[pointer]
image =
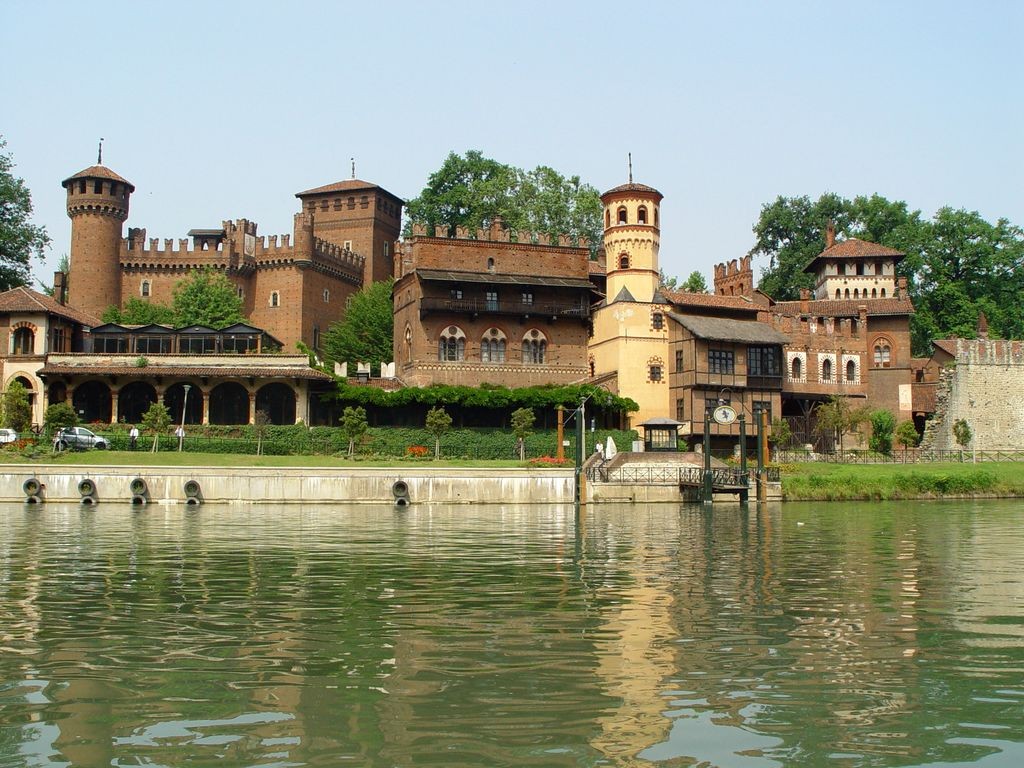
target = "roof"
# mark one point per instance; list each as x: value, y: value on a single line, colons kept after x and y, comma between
x: 946, y: 345
x: 453, y: 276
x: 632, y: 187
x: 595, y: 267
x: 725, y: 329
x: 22, y: 299
x: 155, y: 368
x: 98, y: 172
x: 855, y: 248
x: 845, y: 307
x: 624, y: 295
x: 689, y: 299
x: 348, y: 185
x: 661, y: 421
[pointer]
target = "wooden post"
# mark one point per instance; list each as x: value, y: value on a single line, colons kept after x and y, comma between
x: 560, y: 449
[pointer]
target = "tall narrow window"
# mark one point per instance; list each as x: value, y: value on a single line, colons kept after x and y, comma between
x: 491, y: 301
x: 641, y: 215
x: 623, y: 261
x: 275, y: 299
x: 826, y: 370
x: 796, y: 369
x: 144, y: 289
x: 851, y: 372
x: 622, y: 215
x: 535, y: 348
x: 451, y: 347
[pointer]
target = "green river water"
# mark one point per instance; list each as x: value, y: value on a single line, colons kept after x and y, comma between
x: 876, y: 634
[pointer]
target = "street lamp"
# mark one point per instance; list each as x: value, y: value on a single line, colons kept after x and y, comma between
x: 184, y: 409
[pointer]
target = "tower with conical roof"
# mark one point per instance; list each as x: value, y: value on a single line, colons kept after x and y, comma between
x: 97, y: 202
x: 630, y: 332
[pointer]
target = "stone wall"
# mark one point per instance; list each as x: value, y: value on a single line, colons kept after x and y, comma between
x: 984, y: 388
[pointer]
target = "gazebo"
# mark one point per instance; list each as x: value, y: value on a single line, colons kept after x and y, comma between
x: 661, y: 434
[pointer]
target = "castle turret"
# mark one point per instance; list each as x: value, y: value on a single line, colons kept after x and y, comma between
x: 98, y: 206
x: 632, y: 238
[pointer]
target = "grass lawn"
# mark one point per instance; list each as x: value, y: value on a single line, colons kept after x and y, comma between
x: 188, y: 459
x: 849, y: 482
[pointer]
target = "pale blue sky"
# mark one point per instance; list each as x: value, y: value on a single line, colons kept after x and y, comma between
x: 218, y: 110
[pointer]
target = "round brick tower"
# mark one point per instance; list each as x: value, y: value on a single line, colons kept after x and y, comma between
x: 98, y: 206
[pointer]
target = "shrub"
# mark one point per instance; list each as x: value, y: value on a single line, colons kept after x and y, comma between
x: 883, y: 423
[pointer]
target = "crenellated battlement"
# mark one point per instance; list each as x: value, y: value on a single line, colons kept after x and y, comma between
x: 989, y: 352
x: 735, y: 278
x: 809, y: 327
x: 498, y: 233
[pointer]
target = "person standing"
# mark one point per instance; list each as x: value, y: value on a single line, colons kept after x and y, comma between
x: 180, y: 434
x: 133, y: 436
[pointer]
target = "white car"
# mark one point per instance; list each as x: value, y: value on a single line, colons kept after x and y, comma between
x: 79, y: 437
x: 8, y: 435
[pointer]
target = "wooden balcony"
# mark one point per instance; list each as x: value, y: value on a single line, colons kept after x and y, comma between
x: 483, y: 307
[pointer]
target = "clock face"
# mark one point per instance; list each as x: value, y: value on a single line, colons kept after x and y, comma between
x: 723, y: 414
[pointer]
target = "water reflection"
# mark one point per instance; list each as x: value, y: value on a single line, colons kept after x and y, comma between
x: 854, y: 635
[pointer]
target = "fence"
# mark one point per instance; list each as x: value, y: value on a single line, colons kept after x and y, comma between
x: 911, y: 456
x: 692, y: 476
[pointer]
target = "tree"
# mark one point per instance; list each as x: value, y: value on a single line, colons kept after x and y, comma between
x: 259, y: 425
x: 472, y: 191
x: 672, y: 283
x: 59, y: 416
x: 695, y: 283
x: 522, y: 423
x: 139, y: 312
x: 19, y: 239
x: 907, y: 436
x: 781, y: 433
x: 17, y: 409
x: 63, y: 265
x: 156, y: 419
x: 962, y: 433
x: 438, y: 422
x: 365, y: 334
x: 837, y: 417
x: 883, y: 424
x: 353, y: 426
x: 207, y: 298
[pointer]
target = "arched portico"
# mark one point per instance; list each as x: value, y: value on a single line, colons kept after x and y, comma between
x: 229, y: 404
x: 92, y: 401
x: 277, y: 400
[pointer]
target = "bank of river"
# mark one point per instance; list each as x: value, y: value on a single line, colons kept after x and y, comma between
x: 882, y: 634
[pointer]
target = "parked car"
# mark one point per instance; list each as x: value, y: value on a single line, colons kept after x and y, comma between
x: 79, y: 437
x: 8, y: 435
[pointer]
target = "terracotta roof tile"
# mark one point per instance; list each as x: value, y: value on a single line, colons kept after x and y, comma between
x: 632, y: 187
x: 156, y: 369
x: 844, y: 307
x: 854, y: 248
x: 24, y: 299
x: 98, y: 172
x: 596, y: 267
x: 688, y: 299
x: 348, y: 185
x: 946, y: 345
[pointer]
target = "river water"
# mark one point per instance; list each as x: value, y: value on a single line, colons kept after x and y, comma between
x: 804, y: 635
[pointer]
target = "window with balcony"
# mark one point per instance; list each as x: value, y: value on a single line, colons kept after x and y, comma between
x: 527, y: 298
x: 721, y: 361
x: 491, y: 301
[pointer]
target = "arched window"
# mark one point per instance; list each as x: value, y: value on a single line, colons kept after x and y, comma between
x: 622, y: 214
x: 826, y: 369
x: 623, y: 261
x: 408, y: 344
x: 655, y: 216
x: 327, y: 295
x: 451, y: 347
x: 490, y: 265
x: 275, y: 299
x: 874, y: 293
x: 535, y: 347
x: 23, y: 341
x: 851, y: 371
x: 796, y: 369
x: 641, y: 215
x: 883, y: 353
x: 607, y: 218
x: 492, y: 347
x: 883, y: 293
x: 144, y: 289
x: 846, y: 293
x: 856, y: 293
x: 838, y: 294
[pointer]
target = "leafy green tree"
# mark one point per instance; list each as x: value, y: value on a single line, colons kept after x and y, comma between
x: 472, y: 191
x: 156, y: 419
x: 19, y: 238
x: 962, y: 433
x: 781, y: 434
x: 59, y: 416
x: 907, y: 436
x: 17, y: 409
x: 883, y: 424
x: 208, y: 298
x: 353, y: 426
x: 365, y: 334
x: 838, y: 417
x: 139, y: 312
x: 695, y: 283
x: 522, y: 423
x: 438, y: 423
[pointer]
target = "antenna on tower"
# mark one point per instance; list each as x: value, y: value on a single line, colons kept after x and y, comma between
x: 353, y: 167
x: 630, y: 156
x: 99, y: 154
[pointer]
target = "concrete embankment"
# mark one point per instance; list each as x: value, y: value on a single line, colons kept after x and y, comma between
x: 314, y: 485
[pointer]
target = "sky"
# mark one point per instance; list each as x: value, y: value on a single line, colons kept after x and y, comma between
x: 224, y: 110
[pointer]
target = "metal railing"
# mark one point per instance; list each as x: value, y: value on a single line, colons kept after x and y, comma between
x: 912, y: 456
x: 478, y: 306
x: 689, y: 476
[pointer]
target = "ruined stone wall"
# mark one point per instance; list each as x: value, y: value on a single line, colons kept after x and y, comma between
x: 984, y: 388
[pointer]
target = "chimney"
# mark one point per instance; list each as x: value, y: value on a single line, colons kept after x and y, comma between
x: 982, y: 326
x: 60, y: 288
x: 862, y: 318
x: 901, y: 287
x: 830, y: 234
x: 805, y: 301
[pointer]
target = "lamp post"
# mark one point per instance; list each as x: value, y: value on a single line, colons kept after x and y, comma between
x: 184, y: 409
